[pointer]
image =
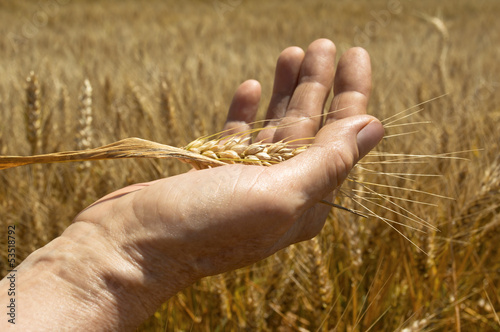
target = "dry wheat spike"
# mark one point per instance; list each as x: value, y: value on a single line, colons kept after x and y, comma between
x: 201, y: 153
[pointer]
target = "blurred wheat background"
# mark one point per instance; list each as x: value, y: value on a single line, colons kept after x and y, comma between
x: 76, y: 74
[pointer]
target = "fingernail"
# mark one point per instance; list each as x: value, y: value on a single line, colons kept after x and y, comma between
x: 369, y: 136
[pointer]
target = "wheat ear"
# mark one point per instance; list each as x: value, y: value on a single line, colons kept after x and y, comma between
x: 201, y: 153
x: 33, y: 113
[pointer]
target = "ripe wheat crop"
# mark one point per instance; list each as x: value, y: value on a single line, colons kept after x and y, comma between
x: 166, y: 71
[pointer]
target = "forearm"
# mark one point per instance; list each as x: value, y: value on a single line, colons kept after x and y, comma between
x: 76, y: 282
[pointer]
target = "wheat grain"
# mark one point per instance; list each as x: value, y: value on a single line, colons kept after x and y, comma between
x: 236, y: 150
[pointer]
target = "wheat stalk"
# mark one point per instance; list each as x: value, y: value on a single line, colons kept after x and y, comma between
x: 126, y: 148
x: 200, y: 153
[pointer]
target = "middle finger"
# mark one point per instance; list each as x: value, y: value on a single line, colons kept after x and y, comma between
x: 302, y: 118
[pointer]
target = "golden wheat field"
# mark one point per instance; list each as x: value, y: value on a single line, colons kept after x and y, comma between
x: 166, y: 71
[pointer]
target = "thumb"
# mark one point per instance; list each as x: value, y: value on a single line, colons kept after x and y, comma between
x: 337, y: 148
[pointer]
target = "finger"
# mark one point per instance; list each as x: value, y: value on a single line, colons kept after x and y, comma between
x: 308, y: 100
x: 243, y: 108
x: 285, y: 81
x: 337, y: 148
x: 352, y: 85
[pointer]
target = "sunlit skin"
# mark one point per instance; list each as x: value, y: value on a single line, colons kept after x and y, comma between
x: 133, y: 249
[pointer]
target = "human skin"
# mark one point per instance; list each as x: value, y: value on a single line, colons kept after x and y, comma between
x: 133, y: 249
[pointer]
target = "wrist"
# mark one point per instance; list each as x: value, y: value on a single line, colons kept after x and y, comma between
x: 77, y: 278
x: 132, y: 268
x: 79, y: 281
x: 114, y: 286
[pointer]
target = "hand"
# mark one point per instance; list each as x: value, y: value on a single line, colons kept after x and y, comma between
x: 202, y: 223
x: 159, y: 237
